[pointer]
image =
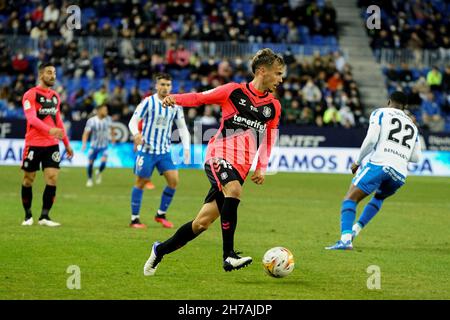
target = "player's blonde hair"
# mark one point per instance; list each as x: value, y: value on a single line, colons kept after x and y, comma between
x: 266, y: 57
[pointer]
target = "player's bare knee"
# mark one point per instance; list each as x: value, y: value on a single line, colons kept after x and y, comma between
x: 28, y: 180
x: 51, y: 180
x: 141, y: 182
x: 173, y: 183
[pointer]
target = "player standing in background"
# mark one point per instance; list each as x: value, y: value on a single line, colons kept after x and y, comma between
x: 250, y: 117
x: 392, y: 141
x: 99, y: 128
x: 44, y: 130
x: 154, y: 148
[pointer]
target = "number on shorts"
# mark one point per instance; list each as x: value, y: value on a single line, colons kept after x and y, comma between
x: 140, y: 161
x: 30, y: 155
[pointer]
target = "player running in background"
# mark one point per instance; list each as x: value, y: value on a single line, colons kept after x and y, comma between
x: 44, y: 130
x: 250, y: 117
x: 154, y: 148
x: 101, y: 132
x: 392, y: 141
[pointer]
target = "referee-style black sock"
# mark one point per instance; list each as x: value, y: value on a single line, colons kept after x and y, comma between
x: 47, y: 200
x: 27, y: 197
x: 228, y: 220
x: 183, y: 235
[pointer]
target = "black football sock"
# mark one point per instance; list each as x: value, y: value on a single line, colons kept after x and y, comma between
x: 27, y: 197
x: 228, y: 220
x: 47, y: 201
x: 183, y: 235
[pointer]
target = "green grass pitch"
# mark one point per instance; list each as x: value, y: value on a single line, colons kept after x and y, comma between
x: 408, y: 240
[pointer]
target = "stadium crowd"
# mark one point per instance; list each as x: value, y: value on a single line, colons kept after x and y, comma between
x: 428, y: 92
x: 414, y: 25
x: 209, y: 20
x: 318, y: 90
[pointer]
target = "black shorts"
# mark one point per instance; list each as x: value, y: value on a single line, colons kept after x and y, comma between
x: 219, y: 173
x: 34, y: 156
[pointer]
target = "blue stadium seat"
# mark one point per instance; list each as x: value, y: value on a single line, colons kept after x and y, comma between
x: 145, y: 84
x: 331, y: 41
x: 130, y: 83
x: 184, y: 74
x: 102, y: 21
x: 5, y: 80
x: 87, y: 14
x: 415, y: 73
x: 317, y: 40
x: 175, y: 85
x: 98, y: 67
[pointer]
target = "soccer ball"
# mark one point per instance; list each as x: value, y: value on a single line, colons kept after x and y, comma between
x: 278, y: 262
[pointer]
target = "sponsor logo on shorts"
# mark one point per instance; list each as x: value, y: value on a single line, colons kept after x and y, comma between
x: 56, y: 156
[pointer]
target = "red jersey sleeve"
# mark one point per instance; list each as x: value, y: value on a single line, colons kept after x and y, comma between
x: 29, y: 108
x: 214, y: 96
x: 269, y: 140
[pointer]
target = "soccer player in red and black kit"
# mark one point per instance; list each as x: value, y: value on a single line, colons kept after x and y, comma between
x: 250, y: 117
x: 44, y: 130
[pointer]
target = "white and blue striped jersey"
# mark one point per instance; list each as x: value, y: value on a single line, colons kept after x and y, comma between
x: 100, y: 131
x: 157, y: 125
x: 391, y: 140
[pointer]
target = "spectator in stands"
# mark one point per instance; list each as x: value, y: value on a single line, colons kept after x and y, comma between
x: 311, y: 93
x: 182, y: 56
x: 446, y: 80
x: 335, y: 82
x: 84, y: 66
x: 416, y: 45
x: 444, y: 48
x: 347, y: 117
x: 171, y: 56
x: 434, y: 78
x: 38, y: 32
x: 339, y: 61
x: 405, y: 75
x: 414, y: 99
x: 208, y: 119
x: 432, y: 114
x: 117, y: 102
x: 293, y: 113
x: 51, y: 13
x: 101, y: 96
x: 134, y: 98
x: 292, y: 34
x: 38, y: 14
x: 331, y: 116
x: 20, y: 64
x: 306, y: 117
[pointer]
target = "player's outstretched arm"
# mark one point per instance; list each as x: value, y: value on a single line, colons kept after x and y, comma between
x: 213, y: 96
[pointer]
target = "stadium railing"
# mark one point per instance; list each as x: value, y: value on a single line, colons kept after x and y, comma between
x: 426, y: 58
x: 97, y: 46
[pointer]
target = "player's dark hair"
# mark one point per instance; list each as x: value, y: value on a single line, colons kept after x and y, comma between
x: 44, y: 65
x: 399, y: 98
x: 164, y: 76
x: 266, y: 57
